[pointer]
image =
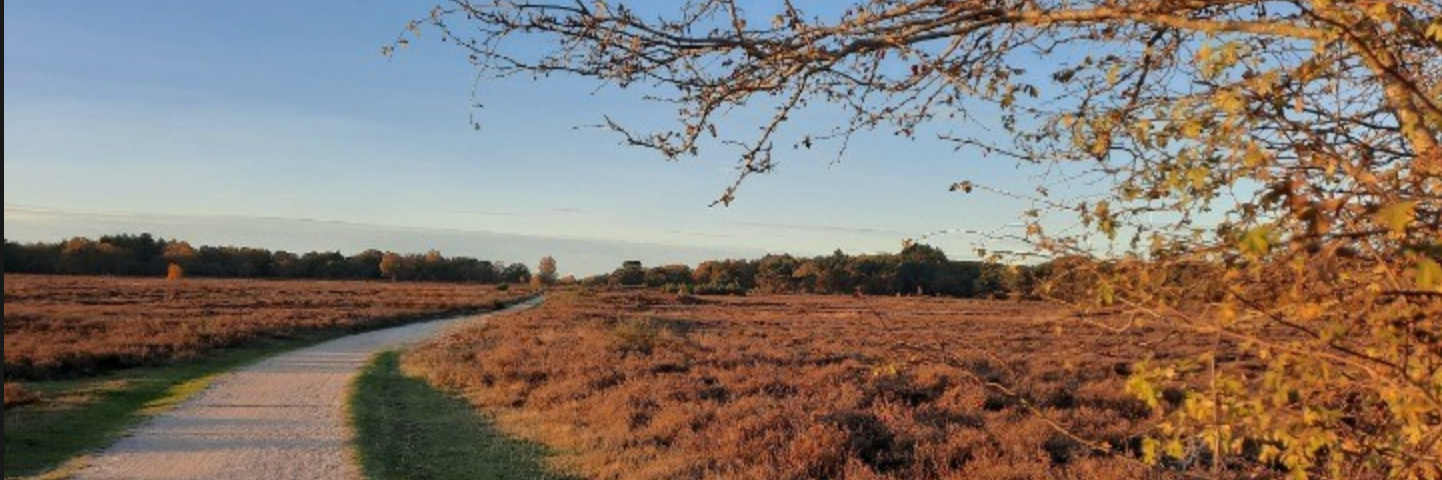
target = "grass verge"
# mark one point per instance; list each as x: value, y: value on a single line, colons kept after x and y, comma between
x: 407, y: 430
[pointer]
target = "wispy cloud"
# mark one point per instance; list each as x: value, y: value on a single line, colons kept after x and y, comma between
x: 572, y: 211
x: 826, y: 229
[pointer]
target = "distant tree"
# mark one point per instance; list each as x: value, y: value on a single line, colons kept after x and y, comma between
x: 81, y: 256
x: 775, y: 274
x: 391, y: 264
x: 668, y: 275
x: 875, y: 274
x: 180, y: 253
x: 434, y: 256
x: 516, y: 273
x: 740, y: 273
x: 631, y: 274
x: 39, y: 258
x: 175, y: 273
x: 808, y: 275
x: 287, y: 265
x: 834, y: 274
x: 12, y: 256
x: 546, y: 272
x: 245, y: 262
x: 919, y: 268
x: 326, y: 265
x: 365, y: 265
x: 145, y: 253
x: 996, y: 281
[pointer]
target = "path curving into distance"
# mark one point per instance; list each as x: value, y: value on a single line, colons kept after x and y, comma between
x: 281, y: 419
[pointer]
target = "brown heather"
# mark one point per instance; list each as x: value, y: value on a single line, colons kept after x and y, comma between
x: 643, y: 386
x: 58, y: 327
x: 16, y: 395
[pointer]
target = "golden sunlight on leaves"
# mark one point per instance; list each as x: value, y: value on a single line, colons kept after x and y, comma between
x: 1429, y: 275
x: 1397, y: 216
x: 1257, y: 242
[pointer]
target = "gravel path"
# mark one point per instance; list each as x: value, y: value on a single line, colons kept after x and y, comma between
x: 281, y: 419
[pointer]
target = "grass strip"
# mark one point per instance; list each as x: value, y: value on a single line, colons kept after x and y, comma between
x: 407, y: 430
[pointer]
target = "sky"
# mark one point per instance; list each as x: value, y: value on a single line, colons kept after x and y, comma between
x: 279, y: 124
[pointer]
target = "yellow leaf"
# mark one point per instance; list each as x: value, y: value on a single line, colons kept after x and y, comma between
x: 1151, y: 449
x: 1380, y: 11
x: 1229, y: 102
x: 1397, y: 216
x: 1192, y: 129
x: 1429, y: 275
x: 1107, y: 295
x: 1255, y: 156
x: 1256, y: 242
x: 1143, y: 390
x: 1175, y: 449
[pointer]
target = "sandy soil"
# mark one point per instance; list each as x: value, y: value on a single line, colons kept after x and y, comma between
x: 280, y: 419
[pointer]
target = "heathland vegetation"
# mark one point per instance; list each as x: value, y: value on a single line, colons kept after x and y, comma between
x: 146, y: 256
x: 643, y: 385
x: 69, y: 326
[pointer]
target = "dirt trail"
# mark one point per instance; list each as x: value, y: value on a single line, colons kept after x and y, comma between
x: 281, y: 419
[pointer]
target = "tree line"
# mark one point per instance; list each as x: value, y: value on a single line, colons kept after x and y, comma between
x: 917, y: 270
x: 145, y: 255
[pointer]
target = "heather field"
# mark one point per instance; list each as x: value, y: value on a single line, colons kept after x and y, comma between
x: 66, y: 327
x: 641, y: 386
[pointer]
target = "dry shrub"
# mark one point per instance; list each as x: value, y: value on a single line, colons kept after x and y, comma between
x: 766, y: 388
x: 16, y: 395
x: 58, y: 327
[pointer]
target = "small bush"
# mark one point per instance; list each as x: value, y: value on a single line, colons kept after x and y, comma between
x: 733, y: 289
x: 175, y: 273
x: 16, y: 395
x: 637, y: 335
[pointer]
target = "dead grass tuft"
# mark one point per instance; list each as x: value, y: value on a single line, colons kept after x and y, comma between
x: 16, y: 395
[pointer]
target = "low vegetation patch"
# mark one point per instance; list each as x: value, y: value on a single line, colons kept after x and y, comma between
x: 70, y: 327
x: 16, y: 395
x: 768, y: 387
x: 407, y: 430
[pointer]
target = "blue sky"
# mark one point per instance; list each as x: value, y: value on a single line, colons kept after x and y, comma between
x: 279, y: 124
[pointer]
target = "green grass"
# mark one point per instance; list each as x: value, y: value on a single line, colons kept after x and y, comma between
x: 85, y: 415
x: 408, y: 431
